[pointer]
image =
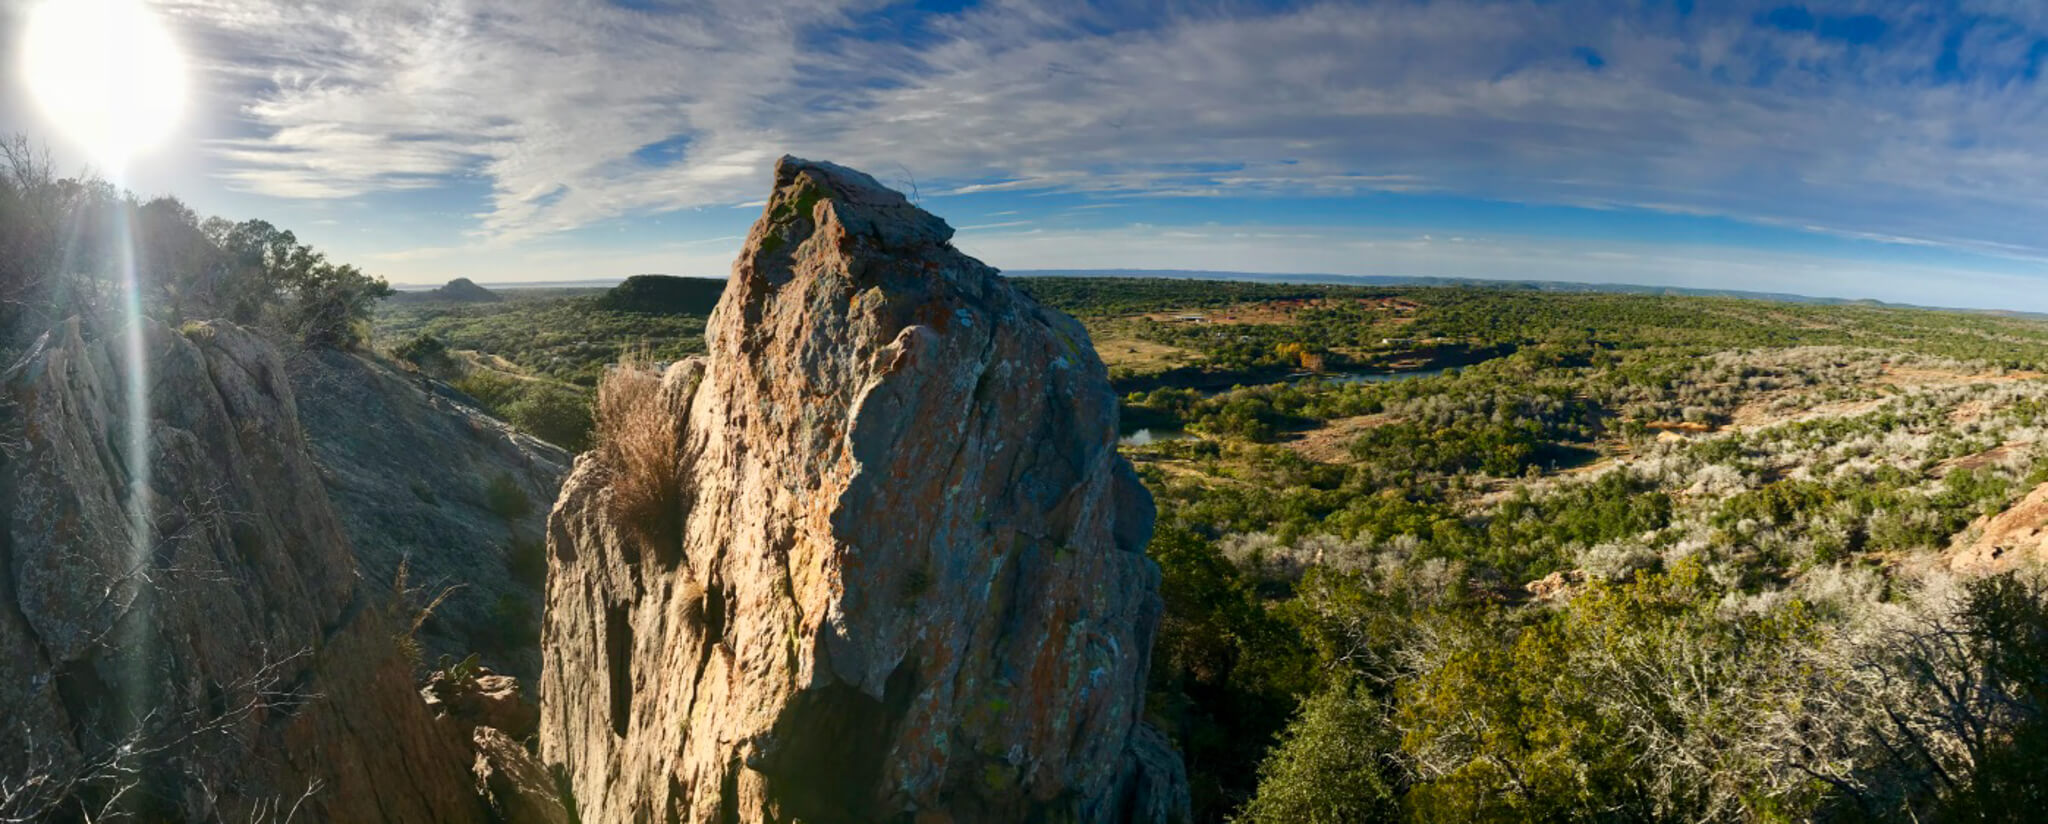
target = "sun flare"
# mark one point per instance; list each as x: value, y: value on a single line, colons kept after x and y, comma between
x: 106, y: 73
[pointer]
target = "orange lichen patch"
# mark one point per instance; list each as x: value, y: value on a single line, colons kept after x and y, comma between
x: 1331, y: 443
x: 2006, y: 540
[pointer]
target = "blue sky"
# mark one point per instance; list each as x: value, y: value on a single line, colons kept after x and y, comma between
x: 1886, y: 150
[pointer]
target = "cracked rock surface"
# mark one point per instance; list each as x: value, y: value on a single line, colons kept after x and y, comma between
x: 904, y: 575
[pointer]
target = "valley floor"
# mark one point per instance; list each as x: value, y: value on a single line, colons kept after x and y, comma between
x: 1457, y: 553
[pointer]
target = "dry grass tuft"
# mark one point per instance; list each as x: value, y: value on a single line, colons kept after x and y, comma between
x: 638, y: 434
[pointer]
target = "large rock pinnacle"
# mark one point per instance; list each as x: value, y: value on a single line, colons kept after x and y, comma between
x: 902, y: 575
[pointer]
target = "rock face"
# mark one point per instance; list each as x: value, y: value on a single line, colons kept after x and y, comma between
x: 216, y: 657
x: 420, y: 476
x: 2007, y: 540
x: 905, y: 578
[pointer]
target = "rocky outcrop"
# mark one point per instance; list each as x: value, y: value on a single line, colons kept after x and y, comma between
x: 514, y: 784
x: 183, y: 635
x: 902, y: 575
x: 1999, y: 543
x: 421, y: 477
x: 480, y: 698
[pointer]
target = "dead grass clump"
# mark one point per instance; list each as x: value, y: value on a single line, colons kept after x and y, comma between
x: 638, y: 434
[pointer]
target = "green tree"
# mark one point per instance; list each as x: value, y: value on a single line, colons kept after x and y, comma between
x: 1337, y: 764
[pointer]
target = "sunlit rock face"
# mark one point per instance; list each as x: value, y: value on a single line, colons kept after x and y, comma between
x: 219, y: 657
x: 905, y: 575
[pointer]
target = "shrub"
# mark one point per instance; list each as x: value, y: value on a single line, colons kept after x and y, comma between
x: 554, y: 413
x: 637, y: 441
x: 527, y: 561
x: 494, y: 390
x: 516, y: 625
x: 423, y: 350
x: 557, y: 415
x: 504, y: 496
x: 1333, y: 766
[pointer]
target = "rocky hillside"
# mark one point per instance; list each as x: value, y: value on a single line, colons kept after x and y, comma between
x: 420, y: 476
x: 184, y: 631
x: 900, y: 573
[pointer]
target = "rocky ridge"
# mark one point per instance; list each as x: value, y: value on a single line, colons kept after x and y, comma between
x: 421, y: 477
x: 217, y: 657
x: 901, y: 575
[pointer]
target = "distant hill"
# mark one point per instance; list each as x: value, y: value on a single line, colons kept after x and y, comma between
x: 1482, y: 283
x: 664, y: 295
x: 459, y: 290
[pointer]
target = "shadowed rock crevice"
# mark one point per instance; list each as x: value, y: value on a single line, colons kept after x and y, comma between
x: 618, y: 661
x: 909, y: 580
x: 830, y: 749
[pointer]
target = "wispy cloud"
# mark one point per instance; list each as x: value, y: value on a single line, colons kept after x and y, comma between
x: 1511, y: 257
x: 1915, y: 126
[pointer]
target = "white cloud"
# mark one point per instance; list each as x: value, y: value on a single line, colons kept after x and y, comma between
x: 1510, y: 257
x: 548, y: 101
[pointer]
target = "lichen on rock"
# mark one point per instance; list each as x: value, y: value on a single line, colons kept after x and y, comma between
x: 905, y: 576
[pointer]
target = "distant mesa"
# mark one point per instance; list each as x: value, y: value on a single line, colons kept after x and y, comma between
x: 664, y: 295
x: 459, y: 290
x: 466, y: 291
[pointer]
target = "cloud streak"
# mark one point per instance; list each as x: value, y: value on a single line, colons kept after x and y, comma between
x: 1915, y: 124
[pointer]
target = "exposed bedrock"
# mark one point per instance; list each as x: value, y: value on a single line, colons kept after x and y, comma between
x: 183, y: 633
x: 900, y: 575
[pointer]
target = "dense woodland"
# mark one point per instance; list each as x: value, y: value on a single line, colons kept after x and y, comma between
x: 1634, y: 557
x: 1676, y: 559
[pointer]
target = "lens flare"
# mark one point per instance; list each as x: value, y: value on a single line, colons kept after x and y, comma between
x: 109, y: 77
x: 106, y: 73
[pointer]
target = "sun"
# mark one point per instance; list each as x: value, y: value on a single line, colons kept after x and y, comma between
x: 106, y: 73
